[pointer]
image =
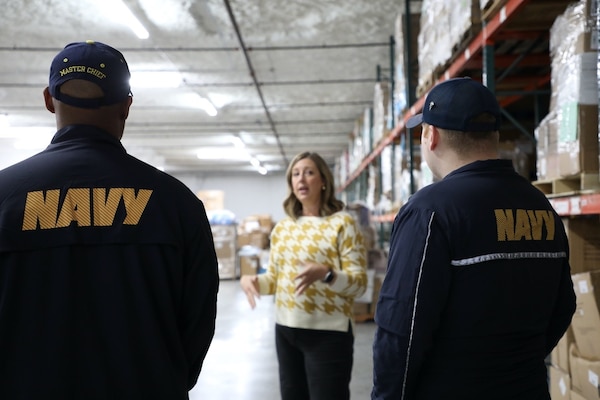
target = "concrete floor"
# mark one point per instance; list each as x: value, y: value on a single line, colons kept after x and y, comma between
x: 242, y: 364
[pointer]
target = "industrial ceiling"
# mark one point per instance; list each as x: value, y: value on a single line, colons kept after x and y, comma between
x: 282, y: 76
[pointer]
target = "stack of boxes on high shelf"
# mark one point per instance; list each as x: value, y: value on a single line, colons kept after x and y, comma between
x: 439, y: 33
x: 436, y: 37
x: 568, y: 158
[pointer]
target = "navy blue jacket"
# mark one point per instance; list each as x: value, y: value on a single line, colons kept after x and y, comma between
x: 477, y: 290
x: 108, y: 275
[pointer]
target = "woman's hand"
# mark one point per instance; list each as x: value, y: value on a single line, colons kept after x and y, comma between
x: 249, y: 284
x: 311, y: 272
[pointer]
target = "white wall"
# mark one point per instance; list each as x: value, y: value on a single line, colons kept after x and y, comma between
x: 245, y: 194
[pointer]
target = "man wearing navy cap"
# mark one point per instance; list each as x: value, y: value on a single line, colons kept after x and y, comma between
x: 108, y: 273
x: 478, y: 288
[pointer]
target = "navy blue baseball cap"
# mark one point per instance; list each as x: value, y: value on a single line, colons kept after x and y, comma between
x: 94, y: 62
x: 454, y: 103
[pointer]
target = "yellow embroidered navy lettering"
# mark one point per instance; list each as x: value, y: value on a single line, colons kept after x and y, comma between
x: 105, y: 208
x: 80, y: 204
x: 75, y: 208
x: 524, y: 224
x: 41, y: 209
x: 135, y: 205
x: 505, y: 225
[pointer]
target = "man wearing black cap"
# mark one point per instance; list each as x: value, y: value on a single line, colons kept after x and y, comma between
x: 108, y: 273
x: 478, y: 288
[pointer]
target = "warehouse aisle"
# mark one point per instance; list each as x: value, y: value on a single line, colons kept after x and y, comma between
x: 241, y: 363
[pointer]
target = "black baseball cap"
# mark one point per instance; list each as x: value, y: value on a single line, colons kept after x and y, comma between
x: 94, y: 62
x: 454, y: 103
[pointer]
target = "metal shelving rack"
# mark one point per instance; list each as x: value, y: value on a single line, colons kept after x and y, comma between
x: 486, y: 54
x: 581, y: 203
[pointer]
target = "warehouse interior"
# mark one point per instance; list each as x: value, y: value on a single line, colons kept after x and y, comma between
x: 226, y: 92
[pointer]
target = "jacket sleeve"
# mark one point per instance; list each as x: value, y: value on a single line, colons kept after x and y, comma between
x: 411, y: 300
x: 201, y: 285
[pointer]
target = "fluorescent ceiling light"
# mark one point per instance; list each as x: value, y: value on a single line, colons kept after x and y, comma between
x: 207, y: 106
x: 237, y: 142
x: 29, y: 138
x: 155, y: 79
x: 28, y: 132
x: 194, y: 100
x: 219, y: 100
x: 237, y: 152
x: 222, y: 153
x: 119, y: 11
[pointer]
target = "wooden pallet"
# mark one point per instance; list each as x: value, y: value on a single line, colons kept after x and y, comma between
x: 425, y: 85
x: 584, y: 182
x: 431, y: 79
x: 465, y: 39
x: 491, y: 8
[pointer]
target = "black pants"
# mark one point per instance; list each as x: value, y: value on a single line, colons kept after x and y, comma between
x: 314, y: 364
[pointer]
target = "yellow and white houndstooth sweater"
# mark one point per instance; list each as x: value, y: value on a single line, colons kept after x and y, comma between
x: 335, y: 241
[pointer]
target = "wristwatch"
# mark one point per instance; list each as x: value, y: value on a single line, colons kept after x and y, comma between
x: 329, y: 276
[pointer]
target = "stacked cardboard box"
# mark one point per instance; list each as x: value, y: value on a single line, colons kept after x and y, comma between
x: 253, y: 242
x: 446, y: 26
x: 224, y: 237
x: 406, y: 68
x: 568, y: 136
x: 575, y: 361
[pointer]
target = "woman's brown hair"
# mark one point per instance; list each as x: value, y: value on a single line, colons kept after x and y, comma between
x: 329, y: 203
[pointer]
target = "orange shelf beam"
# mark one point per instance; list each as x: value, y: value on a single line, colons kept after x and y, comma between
x: 583, y: 204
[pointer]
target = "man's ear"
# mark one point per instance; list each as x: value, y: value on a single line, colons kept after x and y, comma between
x: 125, y: 108
x: 48, y: 100
x: 435, y: 137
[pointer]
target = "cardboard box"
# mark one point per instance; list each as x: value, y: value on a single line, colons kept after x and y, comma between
x: 249, y: 265
x: 223, y: 231
x: 585, y: 375
x: 243, y: 239
x: 259, y: 239
x: 560, y: 353
x: 584, y: 243
x: 586, y: 320
x: 578, y: 139
x: 576, y: 396
x: 227, y: 269
x: 560, y: 384
x: 546, y: 134
x: 212, y: 199
x: 225, y: 249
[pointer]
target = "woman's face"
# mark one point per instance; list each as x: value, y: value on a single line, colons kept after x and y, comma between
x: 307, y: 183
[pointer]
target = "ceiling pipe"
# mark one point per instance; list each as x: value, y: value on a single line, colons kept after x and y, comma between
x: 255, y: 80
x: 215, y: 49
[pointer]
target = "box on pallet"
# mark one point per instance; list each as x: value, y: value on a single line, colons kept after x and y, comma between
x: 249, y: 265
x: 584, y: 243
x: 586, y: 320
x: 560, y: 384
x: 576, y: 396
x: 585, y: 375
x: 212, y: 199
x: 560, y: 354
